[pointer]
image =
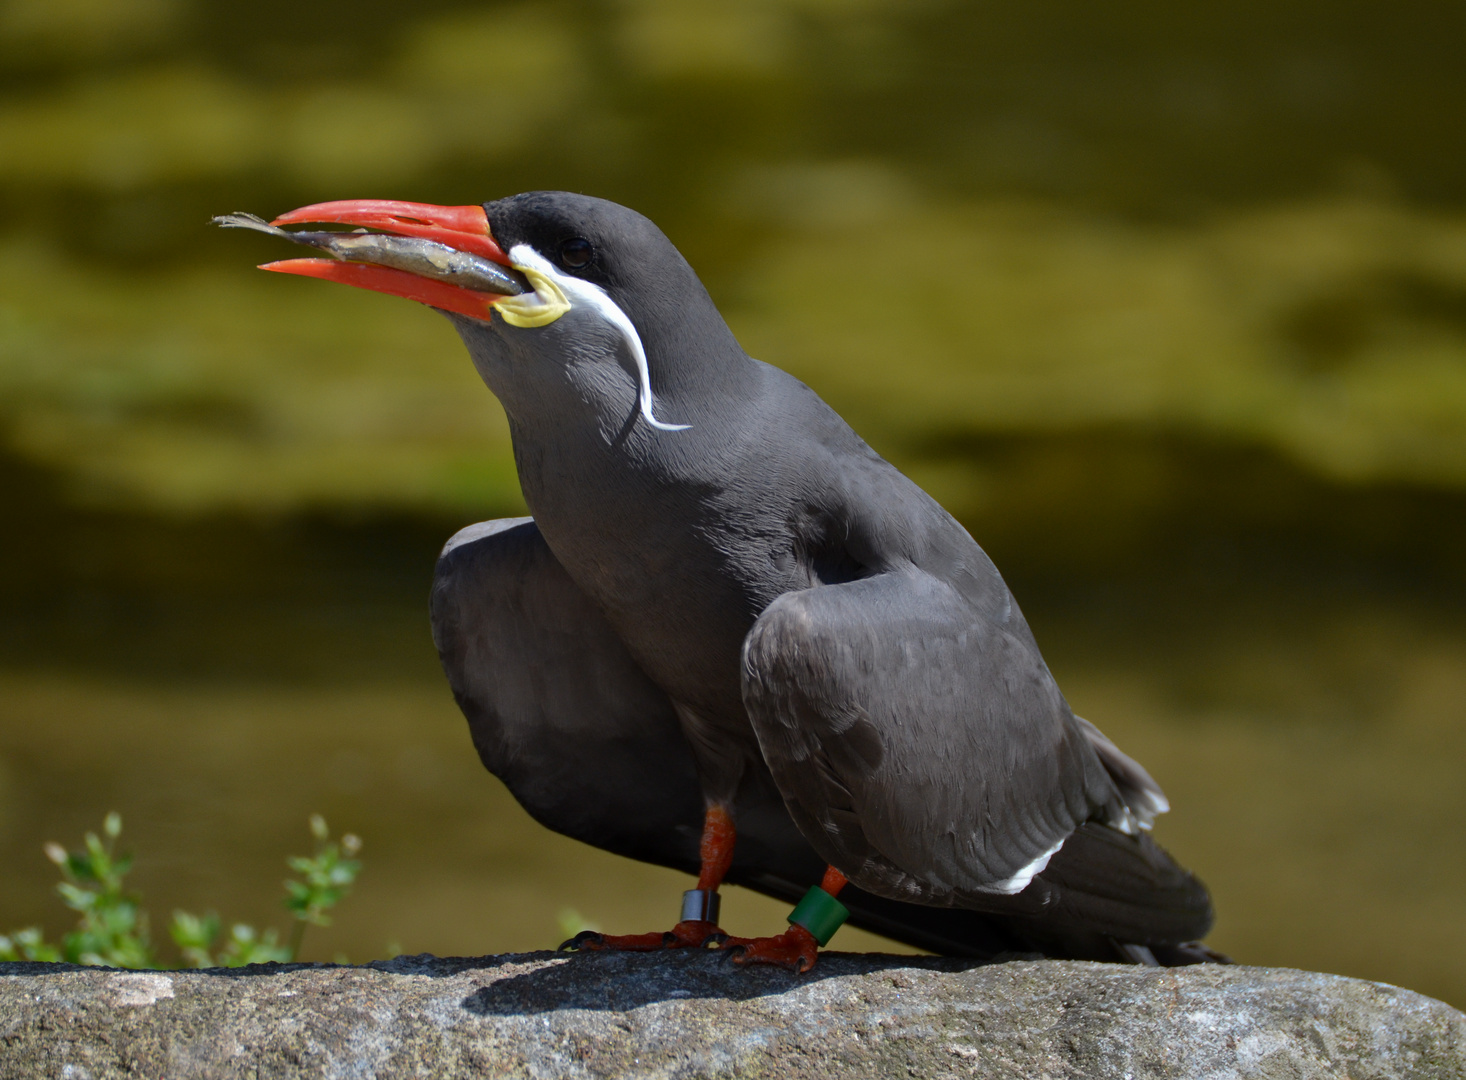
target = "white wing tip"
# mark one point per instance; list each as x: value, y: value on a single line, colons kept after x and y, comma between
x: 1018, y: 882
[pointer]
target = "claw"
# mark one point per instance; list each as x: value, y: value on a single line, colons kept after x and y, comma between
x: 582, y: 938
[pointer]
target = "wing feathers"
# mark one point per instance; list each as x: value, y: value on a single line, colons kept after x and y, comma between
x: 557, y: 708
x: 1127, y: 887
x: 560, y: 711
x: 960, y: 758
x: 1142, y: 796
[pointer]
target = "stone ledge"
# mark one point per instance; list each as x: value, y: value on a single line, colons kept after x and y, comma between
x: 692, y: 1014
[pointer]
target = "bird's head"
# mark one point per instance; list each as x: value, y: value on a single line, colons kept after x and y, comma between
x: 529, y: 279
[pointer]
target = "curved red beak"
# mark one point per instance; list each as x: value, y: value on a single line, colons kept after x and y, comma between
x: 464, y: 228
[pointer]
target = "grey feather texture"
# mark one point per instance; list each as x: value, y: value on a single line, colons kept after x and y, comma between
x: 556, y: 707
x: 590, y: 746
x: 918, y: 744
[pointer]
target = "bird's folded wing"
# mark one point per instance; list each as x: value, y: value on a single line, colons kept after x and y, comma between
x: 557, y: 708
x: 921, y: 747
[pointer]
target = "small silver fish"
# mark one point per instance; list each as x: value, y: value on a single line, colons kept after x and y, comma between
x: 426, y: 258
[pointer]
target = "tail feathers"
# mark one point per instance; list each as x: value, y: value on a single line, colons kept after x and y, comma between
x: 1125, y: 887
x: 1104, y: 896
x: 986, y: 935
x: 1142, y: 796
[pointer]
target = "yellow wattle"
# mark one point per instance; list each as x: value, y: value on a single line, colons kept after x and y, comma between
x: 546, y: 304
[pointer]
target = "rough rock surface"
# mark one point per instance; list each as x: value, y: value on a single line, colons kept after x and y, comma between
x: 691, y: 1014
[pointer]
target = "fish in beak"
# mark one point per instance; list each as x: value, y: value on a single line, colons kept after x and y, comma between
x: 442, y: 256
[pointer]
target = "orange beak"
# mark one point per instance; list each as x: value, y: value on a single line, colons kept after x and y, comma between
x: 464, y: 228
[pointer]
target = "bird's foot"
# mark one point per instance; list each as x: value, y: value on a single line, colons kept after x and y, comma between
x: 795, y: 949
x: 688, y: 934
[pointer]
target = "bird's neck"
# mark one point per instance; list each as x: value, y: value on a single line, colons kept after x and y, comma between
x: 581, y: 375
x: 692, y: 354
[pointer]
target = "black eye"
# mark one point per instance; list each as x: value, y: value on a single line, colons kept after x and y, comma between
x: 576, y: 253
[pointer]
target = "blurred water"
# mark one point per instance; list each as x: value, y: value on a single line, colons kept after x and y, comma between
x: 1299, y: 698
x: 1167, y: 304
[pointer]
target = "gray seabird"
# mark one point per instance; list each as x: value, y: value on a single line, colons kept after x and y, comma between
x: 730, y: 619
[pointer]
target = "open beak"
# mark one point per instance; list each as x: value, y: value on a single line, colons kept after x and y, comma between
x: 451, y: 244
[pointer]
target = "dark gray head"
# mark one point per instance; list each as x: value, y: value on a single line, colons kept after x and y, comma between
x: 640, y: 333
x: 568, y: 304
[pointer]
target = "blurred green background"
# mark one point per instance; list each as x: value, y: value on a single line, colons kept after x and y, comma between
x: 1166, y: 302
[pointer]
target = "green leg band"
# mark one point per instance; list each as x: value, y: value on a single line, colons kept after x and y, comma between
x: 819, y: 913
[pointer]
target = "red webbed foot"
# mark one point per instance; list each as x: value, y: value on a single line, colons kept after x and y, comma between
x: 688, y: 934
x: 795, y: 949
x: 812, y: 923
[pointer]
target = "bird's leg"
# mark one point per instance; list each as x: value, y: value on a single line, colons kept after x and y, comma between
x: 699, y: 923
x: 700, y: 906
x: 811, y: 924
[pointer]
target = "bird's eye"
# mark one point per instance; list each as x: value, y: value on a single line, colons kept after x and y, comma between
x: 576, y: 253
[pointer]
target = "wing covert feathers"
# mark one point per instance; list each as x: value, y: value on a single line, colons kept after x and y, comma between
x: 921, y: 747
x: 926, y: 752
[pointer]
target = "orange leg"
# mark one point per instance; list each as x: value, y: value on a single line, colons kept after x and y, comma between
x: 718, y: 838
x: 796, y: 948
x: 833, y: 881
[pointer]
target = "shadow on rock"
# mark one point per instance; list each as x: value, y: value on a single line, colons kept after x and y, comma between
x: 616, y: 982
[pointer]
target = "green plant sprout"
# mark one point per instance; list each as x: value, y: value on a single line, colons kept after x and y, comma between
x: 113, y: 929
x: 328, y: 875
x: 195, y: 936
x: 27, y: 944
